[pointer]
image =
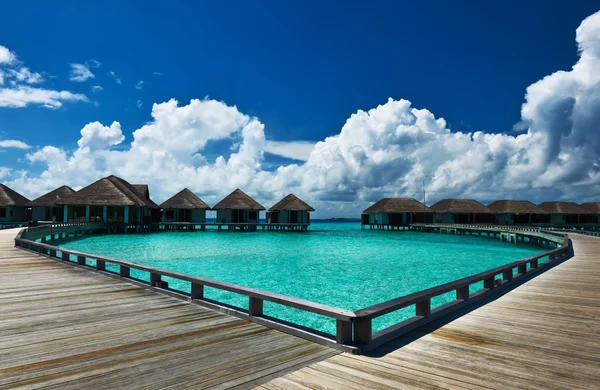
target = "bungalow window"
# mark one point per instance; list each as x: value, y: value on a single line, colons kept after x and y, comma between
x: 170, y: 214
x: 252, y: 215
x: 2, y: 212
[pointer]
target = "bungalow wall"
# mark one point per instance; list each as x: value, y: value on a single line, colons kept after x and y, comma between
x: 557, y: 219
x: 504, y: 219
x: 286, y: 216
x: 399, y: 219
x: 184, y: 215
x: 444, y: 218
x: 13, y: 214
x: 54, y: 214
x: 237, y: 216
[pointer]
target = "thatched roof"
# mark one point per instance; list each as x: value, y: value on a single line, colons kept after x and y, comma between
x: 594, y: 207
x: 184, y: 199
x: 142, y: 189
x: 52, y: 198
x: 10, y: 197
x: 460, y: 206
x: 563, y: 208
x: 397, y: 205
x: 238, y: 200
x: 515, y: 207
x: 292, y: 203
x: 109, y: 191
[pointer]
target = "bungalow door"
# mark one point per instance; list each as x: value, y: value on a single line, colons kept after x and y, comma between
x: 293, y: 216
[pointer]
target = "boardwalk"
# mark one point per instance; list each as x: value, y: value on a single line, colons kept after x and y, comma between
x: 64, y: 327
x: 544, y: 334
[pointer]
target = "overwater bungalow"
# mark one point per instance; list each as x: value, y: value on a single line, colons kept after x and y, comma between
x: 13, y: 206
x: 393, y: 213
x: 566, y: 213
x: 462, y: 211
x: 594, y: 210
x: 110, y: 199
x: 238, y: 207
x: 184, y: 206
x: 49, y: 207
x: 290, y: 210
x: 518, y: 212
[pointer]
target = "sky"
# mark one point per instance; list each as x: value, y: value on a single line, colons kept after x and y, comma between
x: 341, y: 103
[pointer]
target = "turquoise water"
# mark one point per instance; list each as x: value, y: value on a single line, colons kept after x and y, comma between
x: 336, y: 264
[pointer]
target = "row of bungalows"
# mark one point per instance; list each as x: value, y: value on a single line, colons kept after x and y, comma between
x: 115, y: 201
x: 396, y: 212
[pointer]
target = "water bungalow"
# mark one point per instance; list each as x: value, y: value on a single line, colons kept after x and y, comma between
x: 566, y: 213
x: 48, y: 207
x: 290, y: 212
x: 518, y: 212
x: 184, y: 206
x: 238, y: 208
x: 393, y: 213
x: 110, y: 199
x: 594, y: 212
x: 462, y: 211
x: 13, y: 206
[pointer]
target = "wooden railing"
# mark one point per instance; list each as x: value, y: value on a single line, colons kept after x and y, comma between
x: 354, y: 330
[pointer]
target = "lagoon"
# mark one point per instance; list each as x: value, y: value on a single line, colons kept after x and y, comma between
x: 336, y: 264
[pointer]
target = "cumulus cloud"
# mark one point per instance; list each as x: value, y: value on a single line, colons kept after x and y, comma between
x: 13, y: 143
x: 389, y: 150
x: 20, y: 92
x: 80, y: 73
x: 139, y: 84
x: 97, y: 88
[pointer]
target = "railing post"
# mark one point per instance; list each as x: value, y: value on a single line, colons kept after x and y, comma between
x: 489, y: 283
x: 197, y: 291
x: 100, y: 265
x: 507, y: 275
x: 81, y: 260
x: 255, y: 307
x: 65, y: 256
x: 522, y: 269
x: 534, y: 263
x: 124, y: 271
x: 155, y: 279
x: 52, y: 252
x: 363, y: 331
x: 343, y: 334
x: 463, y: 293
x: 423, y: 308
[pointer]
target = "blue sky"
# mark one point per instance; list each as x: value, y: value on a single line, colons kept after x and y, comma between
x: 301, y: 68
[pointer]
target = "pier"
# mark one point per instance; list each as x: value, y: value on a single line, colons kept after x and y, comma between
x: 68, y: 326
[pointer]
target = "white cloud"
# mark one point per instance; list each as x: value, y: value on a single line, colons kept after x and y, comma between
x: 13, y: 143
x: 386, y: 151
x: 117, y: 79
x: 140, y: 84
x: 4, y: 172
x: 25, y: 75
x: 139, y: 104
x: 20, y: 93
x: 97, y: 88
x: 6, y: 56
x: 22, y: 96
x: 80, y: 73
x: 297, y: 150
x: 157, y: 73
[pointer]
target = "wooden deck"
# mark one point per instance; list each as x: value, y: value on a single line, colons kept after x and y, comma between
x: 65, y: 327
x: 544, y: 334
